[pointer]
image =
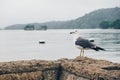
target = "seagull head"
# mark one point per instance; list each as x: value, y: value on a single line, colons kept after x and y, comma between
x: 74, y: 32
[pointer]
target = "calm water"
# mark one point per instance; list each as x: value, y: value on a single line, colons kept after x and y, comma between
x: 24, y: 45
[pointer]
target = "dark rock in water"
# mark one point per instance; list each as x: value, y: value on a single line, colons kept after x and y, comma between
x: 41, y: 42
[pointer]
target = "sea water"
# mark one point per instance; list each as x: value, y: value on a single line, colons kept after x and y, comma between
x: 24, y: 45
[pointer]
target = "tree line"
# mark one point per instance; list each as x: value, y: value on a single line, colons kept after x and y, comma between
x: 110, y: 24
x: 33, y: 27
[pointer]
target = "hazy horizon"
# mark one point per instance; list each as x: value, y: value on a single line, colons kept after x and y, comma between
x: 32, y: 11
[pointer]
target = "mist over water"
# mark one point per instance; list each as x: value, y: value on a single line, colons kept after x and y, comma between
x: 24, y: 45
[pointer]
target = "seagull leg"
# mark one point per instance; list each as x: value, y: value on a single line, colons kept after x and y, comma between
x: 83, y: 53
x: 80, y: 52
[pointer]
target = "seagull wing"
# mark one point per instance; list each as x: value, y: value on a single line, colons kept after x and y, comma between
x: 84, y: 43
x: 87, y: 44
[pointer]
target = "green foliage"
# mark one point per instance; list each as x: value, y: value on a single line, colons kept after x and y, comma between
x: 29, y: 27
x: 35, y: 27
x: 107, y: 24
x: 104, y: 24
x: 116, y: 24
x: 42, y: 27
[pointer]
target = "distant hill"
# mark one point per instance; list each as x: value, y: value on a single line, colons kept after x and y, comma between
x: 15, y: 27
x: 90, y: 20
x: 93, y: 19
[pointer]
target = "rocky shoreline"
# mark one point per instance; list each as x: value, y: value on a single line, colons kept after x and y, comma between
x: 80, y: 68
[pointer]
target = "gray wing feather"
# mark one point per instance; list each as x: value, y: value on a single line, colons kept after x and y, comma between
x: 84, y: 43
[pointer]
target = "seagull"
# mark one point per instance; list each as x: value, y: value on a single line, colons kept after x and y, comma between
x: 82, y: 43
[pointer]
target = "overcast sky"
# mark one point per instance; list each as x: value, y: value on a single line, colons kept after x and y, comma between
x: 30, y: 11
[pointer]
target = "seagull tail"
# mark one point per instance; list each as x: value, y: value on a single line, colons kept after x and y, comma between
x: 99, y: 48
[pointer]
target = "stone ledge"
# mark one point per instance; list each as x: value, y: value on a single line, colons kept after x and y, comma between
x: 80, y: 68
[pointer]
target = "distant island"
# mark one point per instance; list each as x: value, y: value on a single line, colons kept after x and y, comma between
x: 102, y: 18
x: 32, y: 27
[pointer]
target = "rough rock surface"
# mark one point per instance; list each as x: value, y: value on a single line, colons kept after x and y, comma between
x: 91, y: 69
x: 80, y: 68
